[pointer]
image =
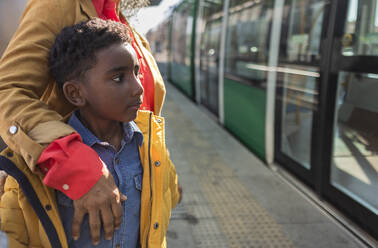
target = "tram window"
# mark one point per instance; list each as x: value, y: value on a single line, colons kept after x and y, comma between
x: 181, y: 35
x: 354, y: 165
x: 301, y: 31
x: 361, y: 29
x: 298, y: 77
x: 248, y: 35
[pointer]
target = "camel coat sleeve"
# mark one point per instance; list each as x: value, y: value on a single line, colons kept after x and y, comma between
x: 31, y: 108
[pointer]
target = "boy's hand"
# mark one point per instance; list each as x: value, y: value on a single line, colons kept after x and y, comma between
x: 103, y: 199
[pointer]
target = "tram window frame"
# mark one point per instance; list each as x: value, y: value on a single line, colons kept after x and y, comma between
x: 183, y: 12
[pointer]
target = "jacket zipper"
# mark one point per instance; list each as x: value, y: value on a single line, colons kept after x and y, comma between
x: 149, y: 163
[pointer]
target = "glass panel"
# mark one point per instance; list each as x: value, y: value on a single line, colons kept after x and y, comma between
x: 355, y: 145
x: 299, y: 101
x: 159, y: 43
x: 180, y: 69
x: 301, y: 31
x: 248, y: 36
x: 298, y: 76
x: 361, y: 29
x: 210, y: 28
x: 182, y: 22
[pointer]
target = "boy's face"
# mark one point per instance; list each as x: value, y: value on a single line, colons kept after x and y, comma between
x: 112, y: 89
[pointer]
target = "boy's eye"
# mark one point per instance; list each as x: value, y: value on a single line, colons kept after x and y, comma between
x: 118, y: 78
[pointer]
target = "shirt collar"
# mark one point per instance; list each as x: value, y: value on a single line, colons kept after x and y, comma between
x: 129, y: 129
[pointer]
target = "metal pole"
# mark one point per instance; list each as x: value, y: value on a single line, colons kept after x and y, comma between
x: 221, y: 61
x: 272, y: 77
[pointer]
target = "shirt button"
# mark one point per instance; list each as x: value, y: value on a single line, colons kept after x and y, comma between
x: 46, y: 170
x: 13, y: 129
x: 65, y: 186
x: 116, y: 161
x: 157, y: 163
x: 156, y: 225
x: 158, y: 120
x: 118, y: 245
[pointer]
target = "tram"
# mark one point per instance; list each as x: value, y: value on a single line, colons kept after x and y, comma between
x: 294, y: 80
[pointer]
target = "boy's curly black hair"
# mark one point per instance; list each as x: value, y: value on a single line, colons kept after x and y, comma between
x: 73, y: 52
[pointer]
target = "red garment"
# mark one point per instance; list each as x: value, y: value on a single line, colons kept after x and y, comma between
x: 71, y: 166
x: 145, y: 78
x: 106, y: 9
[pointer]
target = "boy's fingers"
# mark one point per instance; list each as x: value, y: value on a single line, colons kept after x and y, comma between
x: 108, y: 223
x: 94, y: 226
x: 76, y: 222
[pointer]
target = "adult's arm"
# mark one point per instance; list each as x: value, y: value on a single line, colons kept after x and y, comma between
x: 28, y: 124
x: 29, y: 119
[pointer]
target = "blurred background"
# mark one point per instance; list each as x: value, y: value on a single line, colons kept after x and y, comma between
x: 295, y: 81
x: 290, y: 84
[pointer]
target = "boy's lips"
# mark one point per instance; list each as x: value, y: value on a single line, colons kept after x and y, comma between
x: 136, y: 105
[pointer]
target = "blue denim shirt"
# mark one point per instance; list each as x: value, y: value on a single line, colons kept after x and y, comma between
x: 126, y: 169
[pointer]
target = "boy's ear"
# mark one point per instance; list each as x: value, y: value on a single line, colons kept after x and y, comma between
x: 73, y: 93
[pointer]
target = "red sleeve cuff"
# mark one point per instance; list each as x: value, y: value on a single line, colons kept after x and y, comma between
x: 70, y: 166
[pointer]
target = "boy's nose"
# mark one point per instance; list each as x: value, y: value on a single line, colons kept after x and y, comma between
x: 138, y: 90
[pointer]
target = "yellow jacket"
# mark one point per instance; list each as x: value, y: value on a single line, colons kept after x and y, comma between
x: 28, y: 209
x: 32, y: 107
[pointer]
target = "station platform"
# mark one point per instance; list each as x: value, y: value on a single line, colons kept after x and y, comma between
x: 231, y: 198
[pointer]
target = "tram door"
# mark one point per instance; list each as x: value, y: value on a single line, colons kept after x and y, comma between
x: 327, y: 104
x: 298, y: 83
x: 210, y: 32
x: 352, y: 181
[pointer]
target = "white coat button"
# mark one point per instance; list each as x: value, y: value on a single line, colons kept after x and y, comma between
x: 65, y: 186
x: 157, y: 163
x: 13, y: 129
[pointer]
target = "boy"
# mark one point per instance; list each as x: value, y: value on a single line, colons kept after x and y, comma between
x: 97, y: 70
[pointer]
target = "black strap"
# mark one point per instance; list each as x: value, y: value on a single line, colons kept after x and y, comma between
x: 31, y: 195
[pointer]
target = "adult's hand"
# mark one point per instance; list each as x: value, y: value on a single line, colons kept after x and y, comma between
x: 102, y: 202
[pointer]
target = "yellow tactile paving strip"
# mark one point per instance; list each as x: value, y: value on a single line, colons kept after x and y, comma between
x: 242, y: 220
x: 229, y: 216
x: 225, y: 212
